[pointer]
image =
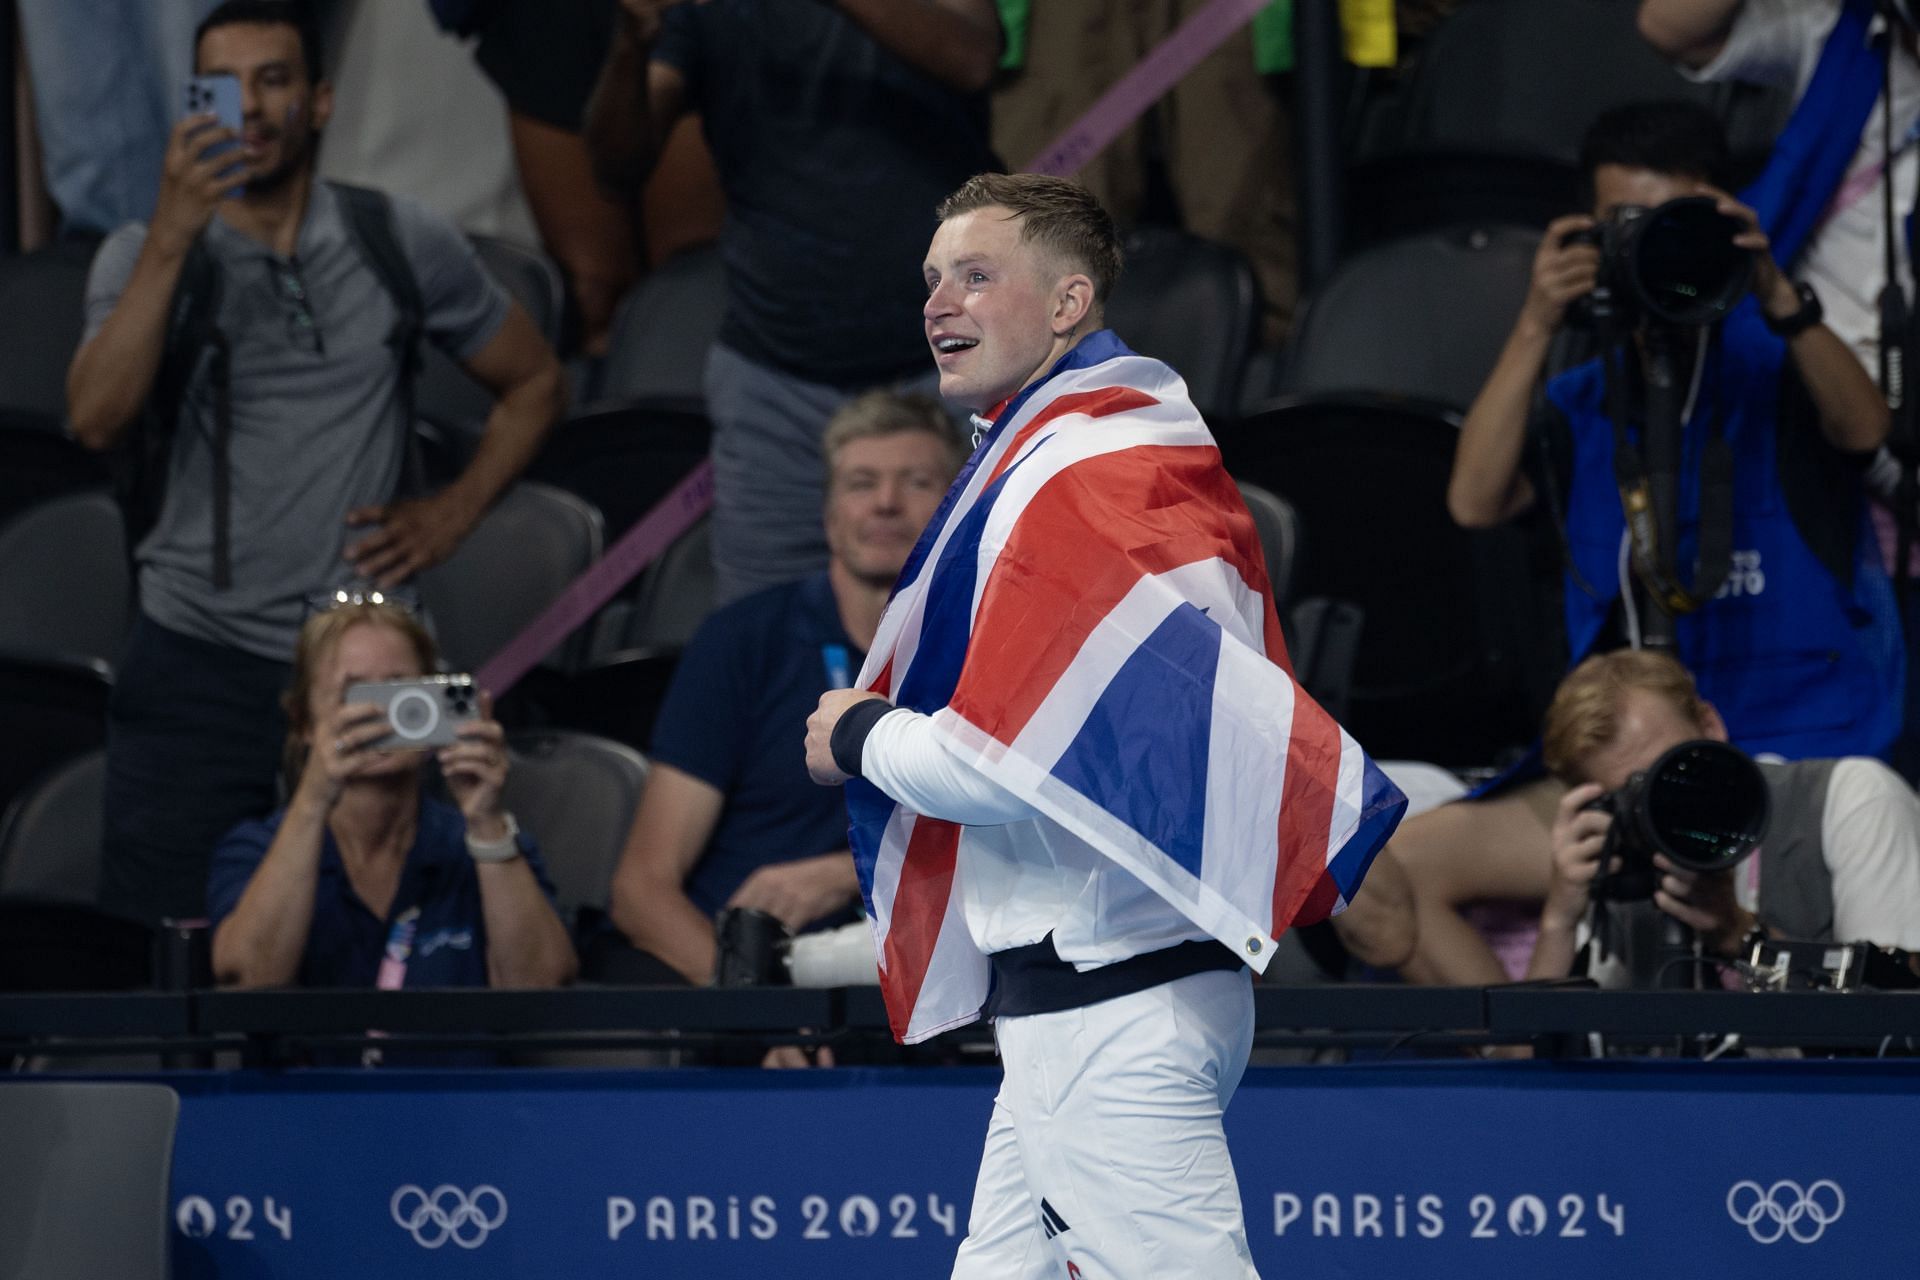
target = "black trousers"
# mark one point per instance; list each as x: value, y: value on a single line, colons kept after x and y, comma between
x: 194, y: 735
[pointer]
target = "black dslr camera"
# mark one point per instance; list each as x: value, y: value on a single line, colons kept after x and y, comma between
x: 1675, y: 264
x: 1703, y: 804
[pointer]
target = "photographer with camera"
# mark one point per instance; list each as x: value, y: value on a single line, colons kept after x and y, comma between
x: 1840, y: 860
x: 1788, y: 617
x: 1768, y: 425
x: 1837, y: 195
x: 363, y: 879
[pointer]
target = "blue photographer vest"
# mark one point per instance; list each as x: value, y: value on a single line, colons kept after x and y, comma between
x: 1796, y: 661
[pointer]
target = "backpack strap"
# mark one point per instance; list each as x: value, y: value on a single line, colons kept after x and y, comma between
x: 369, y: 217
x: 140, y: 482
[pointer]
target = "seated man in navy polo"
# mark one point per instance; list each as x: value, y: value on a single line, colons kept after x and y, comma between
x: 364, y: 880
x: 729, y: 817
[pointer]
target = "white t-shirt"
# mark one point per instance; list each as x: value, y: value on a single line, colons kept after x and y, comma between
x: 1778, y: 43
x: 1870, y: 837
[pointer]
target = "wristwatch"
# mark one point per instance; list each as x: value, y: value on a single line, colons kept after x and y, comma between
x: 1794, y: 324
x: 505, y: 849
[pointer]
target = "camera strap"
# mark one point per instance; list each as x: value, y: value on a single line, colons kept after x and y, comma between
x: 1641, y: 484
x: 1897, y: 341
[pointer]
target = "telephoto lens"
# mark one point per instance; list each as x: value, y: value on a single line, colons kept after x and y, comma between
x: 1704, y: 804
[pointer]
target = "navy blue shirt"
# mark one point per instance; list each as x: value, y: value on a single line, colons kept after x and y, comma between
x: 735, y: 718
x: 833, y: 153
x: 347, y: 939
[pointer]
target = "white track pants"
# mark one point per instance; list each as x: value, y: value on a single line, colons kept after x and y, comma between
x: 1105, y: 1159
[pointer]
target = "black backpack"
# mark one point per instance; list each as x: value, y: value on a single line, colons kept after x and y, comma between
x: 141, y: 474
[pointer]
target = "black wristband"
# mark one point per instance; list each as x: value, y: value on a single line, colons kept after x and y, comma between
x: 1792, y: 326
x: 850, y: 733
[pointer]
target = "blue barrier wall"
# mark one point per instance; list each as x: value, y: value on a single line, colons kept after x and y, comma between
x: 1756, y: 1169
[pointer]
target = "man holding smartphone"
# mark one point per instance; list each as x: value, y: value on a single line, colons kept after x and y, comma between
x: 284, y: 458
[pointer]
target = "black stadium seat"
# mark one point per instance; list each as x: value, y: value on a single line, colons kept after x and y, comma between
x: 42, y: 310
x: 64, y: 585
x: 662, y: 331
x: 1422, y: 317
x: 1453, y: 663
x: 523, y: 553
x: 575, y: 793
x: 1193, y: 304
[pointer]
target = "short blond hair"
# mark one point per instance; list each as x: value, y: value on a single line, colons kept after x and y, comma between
x: 318, y: 638
x: 1585, y: 714
x: 1059, y: 215
x: 886, y: 413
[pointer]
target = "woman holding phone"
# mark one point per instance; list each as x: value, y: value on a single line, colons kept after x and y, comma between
x: 364, y: 879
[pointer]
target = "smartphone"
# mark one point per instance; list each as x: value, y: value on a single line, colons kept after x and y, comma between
x: 220, y: 95
x: 425, y: 711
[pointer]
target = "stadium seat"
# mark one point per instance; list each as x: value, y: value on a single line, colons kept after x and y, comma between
x: 1193, y: 304
x: 575, y: 793
x: 85, y: 1184
x: 1489, y: 122
x: 1424, y: 317
x: 530, y: 277
x: 674, y: 594
x: 1453, y: 665
x: 521, y: 555
x: 64, y: 586
x: 617, y: 696
x: 1279, y: 528
x: 50, y: 840
x: 1527, y: 77
x: 37, y: 464
x: 450, y: 404
x: 623, y: 458
x: 662, y: 331
x: 42, y: 309
x: 54, y: 710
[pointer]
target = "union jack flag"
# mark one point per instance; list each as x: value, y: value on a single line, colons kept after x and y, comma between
x: 1089, y: 622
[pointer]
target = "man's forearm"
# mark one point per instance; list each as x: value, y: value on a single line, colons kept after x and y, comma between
x: 958, y: 49
x: 1853, y: 414
x: 664, y: 923
x: 905, y: 760
x: 1692, y: 31
x: 1486, y: 486
x: 112, y: 374
x: 622, y: 138
x: 519, y: 423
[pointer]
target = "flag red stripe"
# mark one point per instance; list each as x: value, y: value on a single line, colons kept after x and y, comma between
x: 1156, y: 507
x: 1306, y: 809
x: 1092, y: 404
x: 919, y: 908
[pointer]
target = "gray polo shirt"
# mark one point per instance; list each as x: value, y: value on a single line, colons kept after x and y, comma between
x: 316, y: 413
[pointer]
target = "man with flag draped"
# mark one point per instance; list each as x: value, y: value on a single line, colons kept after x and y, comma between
x: 1086, y: 792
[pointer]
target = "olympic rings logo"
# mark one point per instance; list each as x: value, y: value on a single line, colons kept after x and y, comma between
x: 1783, y: 1209
x: 448, y: 1213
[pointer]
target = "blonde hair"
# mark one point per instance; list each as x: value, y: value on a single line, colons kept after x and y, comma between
x: 886, y: 413
x: 320, y: 637
x: 1585, y: 715
x: 1060, y: 216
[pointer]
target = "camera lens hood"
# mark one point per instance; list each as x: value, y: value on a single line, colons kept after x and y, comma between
x: 1703, y: 803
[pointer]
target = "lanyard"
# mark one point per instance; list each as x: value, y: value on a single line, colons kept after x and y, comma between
x: 393, y: 962
x: 838, y: 664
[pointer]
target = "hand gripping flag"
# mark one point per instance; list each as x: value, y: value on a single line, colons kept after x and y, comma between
x: 1089, y: 622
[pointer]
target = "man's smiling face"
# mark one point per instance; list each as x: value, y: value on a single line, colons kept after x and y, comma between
x: 990, y: 304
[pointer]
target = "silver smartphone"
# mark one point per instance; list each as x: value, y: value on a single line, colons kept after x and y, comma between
x: 425, y: 711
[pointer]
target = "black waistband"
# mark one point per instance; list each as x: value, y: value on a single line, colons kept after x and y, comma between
x: 1034, y: 979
